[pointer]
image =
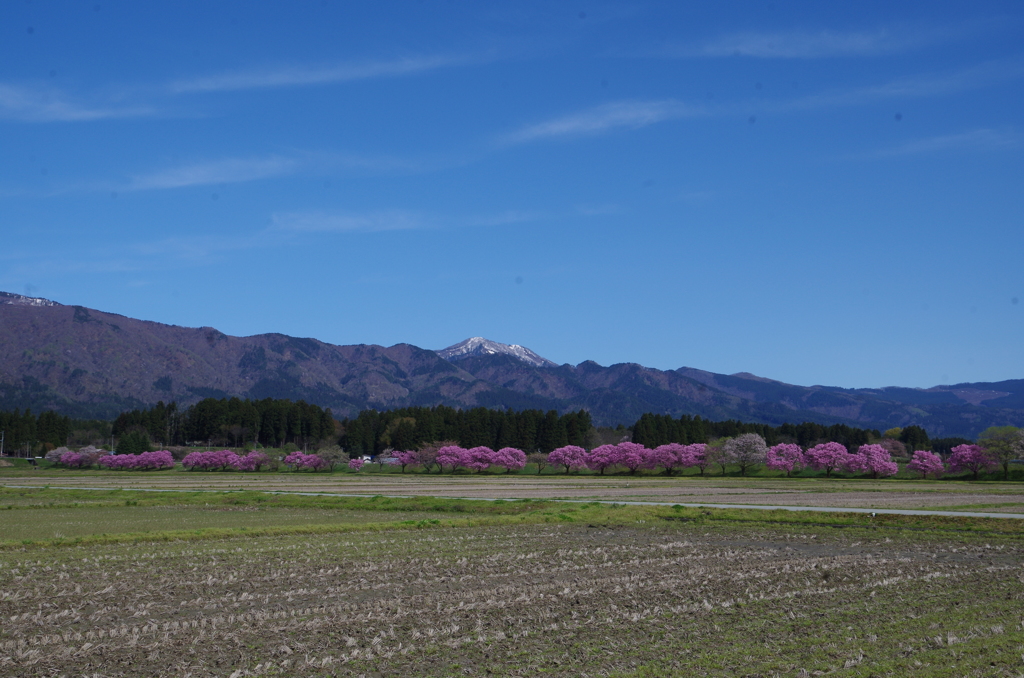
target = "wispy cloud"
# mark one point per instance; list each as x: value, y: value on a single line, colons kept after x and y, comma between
x: 507, y: 218
x: 347, y: 222
x: 636, y: 114
x: 300, y: 75
x: 975, y: 77
x: 50, y: 105
x: 196, y: 249
x: 318, y: 221
x: 824, y: 43
x: 227, y: 171
x: 139, y: 257
x: 619, y: 114
x: 807, y: 44
x: 144, y: 256
x: 975, y: 140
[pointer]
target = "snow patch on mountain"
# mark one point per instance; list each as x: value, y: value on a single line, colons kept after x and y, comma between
x: 20, y: 300
x: 480, y: 346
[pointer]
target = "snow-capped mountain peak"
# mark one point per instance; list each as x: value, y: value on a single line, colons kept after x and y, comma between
x: 480, y: 346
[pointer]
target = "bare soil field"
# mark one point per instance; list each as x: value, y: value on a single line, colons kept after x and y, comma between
x: 619, y: 597
x: 881, y: 494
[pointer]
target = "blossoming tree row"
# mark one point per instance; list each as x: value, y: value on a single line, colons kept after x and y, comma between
x: 147, y: 461
x: 745, y: 451
x: 224, y: 460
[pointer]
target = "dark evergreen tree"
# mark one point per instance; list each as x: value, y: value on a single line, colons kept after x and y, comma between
x: 134, y: 442
x: 915, y: 438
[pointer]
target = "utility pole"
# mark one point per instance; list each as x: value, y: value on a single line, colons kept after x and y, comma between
x: 3, y: 434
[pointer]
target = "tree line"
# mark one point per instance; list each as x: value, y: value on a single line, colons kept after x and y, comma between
x: 25, y: 433
x: 652, y: 430
x: 273, y: 422
x: 407, y: 428
x: 231, y: 421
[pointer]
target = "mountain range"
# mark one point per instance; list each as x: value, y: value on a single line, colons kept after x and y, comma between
x: 88, y: 363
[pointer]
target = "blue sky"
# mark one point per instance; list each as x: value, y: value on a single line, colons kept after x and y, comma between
x: 820, y: 193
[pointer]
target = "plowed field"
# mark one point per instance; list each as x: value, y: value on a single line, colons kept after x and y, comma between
x: 621, y: 596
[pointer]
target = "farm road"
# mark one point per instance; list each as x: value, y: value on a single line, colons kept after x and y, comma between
x: 961, y: 498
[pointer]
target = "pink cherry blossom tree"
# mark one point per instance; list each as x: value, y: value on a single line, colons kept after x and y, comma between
x: 926, y: 463
x: 146, y: 461
x: 427, y: 453
x: 971, y: 458
x: 509, y: 457
x: 670, y: 457
x: 633, y: 456
x: 213, y: 460
x: 452, y: 456
x: 71, y: 459
x: 785, y: 457
x: 570, y: 457
x: 252, y: 461
x: 873, y: 459
x: 478, y: 458
x: 826, y: 457
x: 83, y: 458
x: 696, y: 455
x: 407, y: 458
x: 300, y: 461
x: 601, y: 458
x: 355, y: 464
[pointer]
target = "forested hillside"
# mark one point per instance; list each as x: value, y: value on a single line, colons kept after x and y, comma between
x: 90, y: 364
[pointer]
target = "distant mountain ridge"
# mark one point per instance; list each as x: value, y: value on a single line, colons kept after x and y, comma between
x: 85, y: 362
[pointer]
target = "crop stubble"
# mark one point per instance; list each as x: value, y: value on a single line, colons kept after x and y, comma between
x: 558, y: 599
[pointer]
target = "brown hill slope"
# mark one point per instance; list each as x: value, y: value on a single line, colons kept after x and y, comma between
x: 90, y: 363
x: 102, y: 362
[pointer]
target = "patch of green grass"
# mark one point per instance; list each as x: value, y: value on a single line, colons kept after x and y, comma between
x: 55, y: 517
x: 70, y: 523
x: 981, y: 507
x: 64, y: 498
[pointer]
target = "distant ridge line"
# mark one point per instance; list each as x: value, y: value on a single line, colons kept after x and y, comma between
x: 92, y: 364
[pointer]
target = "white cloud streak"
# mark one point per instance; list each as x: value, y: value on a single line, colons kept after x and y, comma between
x: 507, y: 218
x: 807, y: 44
x: 299, y: 76
x: 49, y: 105
x: 637, y: 114
x: 975, y: 77
x: 390, y: 220
x: 604, y: 118
x: 198, y: 249
x: 974, y: 140
x: 348, y: 222
x: 227, y: 171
